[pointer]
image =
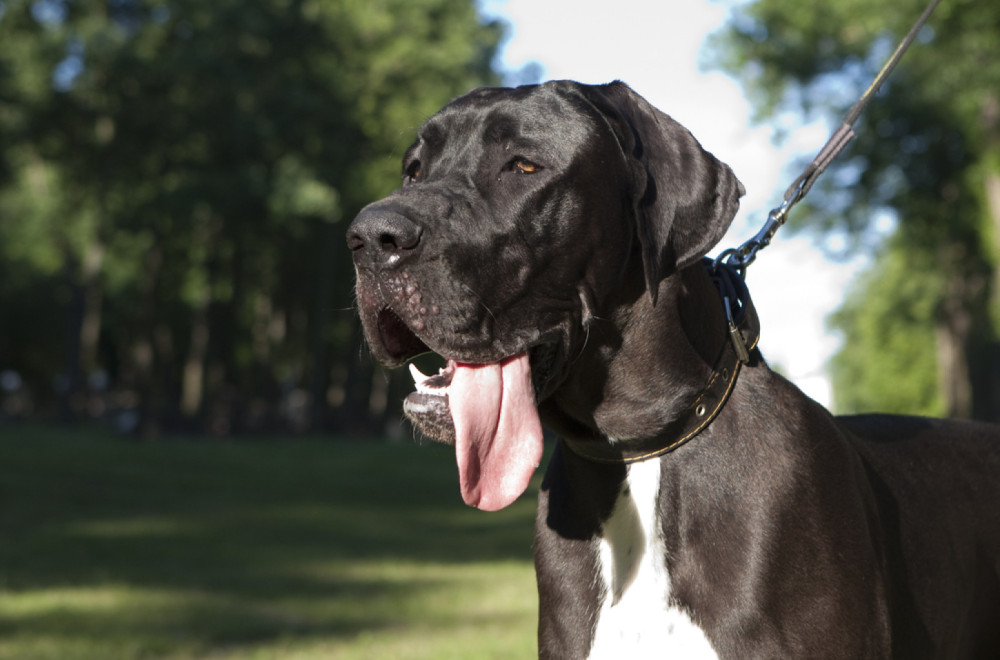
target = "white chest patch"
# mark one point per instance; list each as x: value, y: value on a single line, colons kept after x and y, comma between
x: 636, y: 620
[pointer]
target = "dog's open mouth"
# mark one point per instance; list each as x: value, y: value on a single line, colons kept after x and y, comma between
x: 487, y: 411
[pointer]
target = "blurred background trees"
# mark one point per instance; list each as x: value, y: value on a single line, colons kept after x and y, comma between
x: 176, y: 177
x: 920, y: 187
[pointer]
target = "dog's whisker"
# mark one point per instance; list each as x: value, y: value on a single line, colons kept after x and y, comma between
x: 479, y: 300
x: 586, y: 340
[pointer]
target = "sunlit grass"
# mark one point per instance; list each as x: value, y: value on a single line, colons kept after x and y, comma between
x: 296, y: 549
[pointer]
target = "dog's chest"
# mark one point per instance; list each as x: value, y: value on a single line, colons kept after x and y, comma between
x: 636, y: 619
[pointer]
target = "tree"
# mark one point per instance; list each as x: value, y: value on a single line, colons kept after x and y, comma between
x: 928, y: 151
x: 888, y: 321
x: 182, y: 173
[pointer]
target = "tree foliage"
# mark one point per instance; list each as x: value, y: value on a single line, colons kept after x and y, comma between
x: 175, y: 182
x: 888, y: 321
x: 928, y: 154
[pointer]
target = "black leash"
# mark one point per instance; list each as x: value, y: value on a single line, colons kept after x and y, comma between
x: 741, y: 257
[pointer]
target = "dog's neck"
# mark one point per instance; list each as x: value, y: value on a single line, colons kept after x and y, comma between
x: 619, y: 372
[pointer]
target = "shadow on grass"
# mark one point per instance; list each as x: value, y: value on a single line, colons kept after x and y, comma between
x: 115, y: 549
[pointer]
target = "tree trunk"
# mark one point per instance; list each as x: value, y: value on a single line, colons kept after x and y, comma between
x: 93, y: 295
x: 989, y: 401
x: 965, y: 336
x: 83, y: 328
x: 192, y: 397
x: 953, y: 360
x: 353, y: 415
x: 68, y: 384
x: 143, y: 357
x: 193, y: 378
x: 319, y: 340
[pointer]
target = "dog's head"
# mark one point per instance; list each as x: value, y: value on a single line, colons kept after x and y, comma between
x: 522, y: 212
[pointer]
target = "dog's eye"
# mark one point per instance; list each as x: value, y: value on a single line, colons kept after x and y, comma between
x: 524, y: 166
x: 413, y: 171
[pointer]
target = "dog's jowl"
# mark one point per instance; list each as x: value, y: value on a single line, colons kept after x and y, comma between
x: 548, y: 243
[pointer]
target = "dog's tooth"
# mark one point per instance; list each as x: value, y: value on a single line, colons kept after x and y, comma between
x: 420, y: 380
x: 418, y: 376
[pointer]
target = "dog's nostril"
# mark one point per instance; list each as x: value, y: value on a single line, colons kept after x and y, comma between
x: 388, y: 242
x: 355, y: 242
x: 404, y: 236
x: 383, y: 235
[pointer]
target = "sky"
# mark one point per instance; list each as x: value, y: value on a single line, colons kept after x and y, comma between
x: 656, y: 46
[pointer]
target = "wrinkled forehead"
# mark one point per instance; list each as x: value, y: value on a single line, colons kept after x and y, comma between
x: 536, y: 118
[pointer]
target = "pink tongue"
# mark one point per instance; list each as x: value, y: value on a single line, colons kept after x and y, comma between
x: 498, y: 437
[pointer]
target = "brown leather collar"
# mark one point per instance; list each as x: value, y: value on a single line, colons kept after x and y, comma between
x: 744, y: 333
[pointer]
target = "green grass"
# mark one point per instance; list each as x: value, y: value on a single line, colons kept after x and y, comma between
x: 111, y: 549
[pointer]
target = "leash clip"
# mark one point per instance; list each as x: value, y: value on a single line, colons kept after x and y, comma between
x: 740, y: 258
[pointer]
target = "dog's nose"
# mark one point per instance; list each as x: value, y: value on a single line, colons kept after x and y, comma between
x: 383, y: 236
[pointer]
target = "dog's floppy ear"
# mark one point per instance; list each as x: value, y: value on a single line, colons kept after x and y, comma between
x: 685, y: 199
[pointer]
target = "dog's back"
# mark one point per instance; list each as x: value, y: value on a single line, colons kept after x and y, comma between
x: 933, y: 480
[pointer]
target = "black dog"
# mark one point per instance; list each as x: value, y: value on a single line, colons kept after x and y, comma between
x: 548, y: 242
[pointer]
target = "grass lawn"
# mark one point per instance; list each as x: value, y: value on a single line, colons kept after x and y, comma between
x: 112, y: 549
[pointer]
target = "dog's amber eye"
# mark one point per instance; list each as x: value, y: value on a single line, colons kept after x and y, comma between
x: 413, y: 171
x: 525, y: 166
